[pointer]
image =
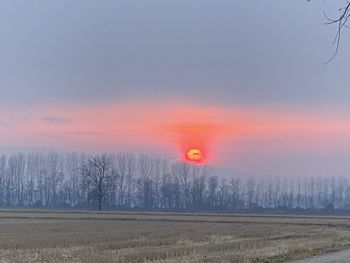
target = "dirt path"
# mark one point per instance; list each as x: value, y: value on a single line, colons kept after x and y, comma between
x: 337, y: 257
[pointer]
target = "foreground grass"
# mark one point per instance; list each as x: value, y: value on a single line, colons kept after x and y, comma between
x: 53, y: 236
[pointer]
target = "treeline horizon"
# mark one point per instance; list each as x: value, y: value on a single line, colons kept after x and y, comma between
x: 128, y: 181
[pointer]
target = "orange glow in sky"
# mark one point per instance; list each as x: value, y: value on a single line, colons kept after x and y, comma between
x: 195, y: 140
x: 208, y: 135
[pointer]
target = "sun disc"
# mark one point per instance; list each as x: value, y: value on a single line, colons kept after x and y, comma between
x: 194, y: 155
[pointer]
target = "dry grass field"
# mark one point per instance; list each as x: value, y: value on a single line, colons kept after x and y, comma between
x: 57, y: 236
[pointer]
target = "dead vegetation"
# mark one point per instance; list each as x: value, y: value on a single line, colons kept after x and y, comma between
x: 54, y: 236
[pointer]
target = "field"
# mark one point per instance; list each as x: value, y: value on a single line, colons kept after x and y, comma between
x: 58, y: 236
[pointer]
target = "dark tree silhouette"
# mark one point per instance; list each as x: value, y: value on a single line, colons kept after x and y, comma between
x: 127, y: 181
x: 341, y: 22
x: 97, y: 171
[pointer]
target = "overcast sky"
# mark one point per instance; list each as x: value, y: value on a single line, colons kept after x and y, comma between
x: 60, y: 58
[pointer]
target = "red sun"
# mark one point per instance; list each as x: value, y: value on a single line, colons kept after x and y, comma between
x: 194, y: 139
x: 194, y: 155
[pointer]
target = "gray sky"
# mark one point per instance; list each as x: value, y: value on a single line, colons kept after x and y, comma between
x: 235, y: 52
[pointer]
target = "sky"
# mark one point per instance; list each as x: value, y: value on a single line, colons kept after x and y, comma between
x: 244, y: 81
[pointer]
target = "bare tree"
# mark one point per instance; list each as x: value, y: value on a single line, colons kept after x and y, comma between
x: 97, y: 171
x: 54, y: 168
x: 182, y: 170
x: 145, y: 184
x: 224, y: 197
x: 72, y: 171
x: 236, y: 201
x: 14, y: 182
x: 213, y: 183
x: 3, y: 161
x: 122, y: 171
x: 199, y: 177
x: 130, y: 186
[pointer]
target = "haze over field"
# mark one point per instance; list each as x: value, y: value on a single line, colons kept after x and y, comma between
x: 244, y: 81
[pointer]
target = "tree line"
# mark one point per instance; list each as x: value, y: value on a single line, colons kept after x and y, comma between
x: 129, y: 181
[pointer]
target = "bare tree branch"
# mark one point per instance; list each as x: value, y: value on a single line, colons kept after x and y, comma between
x: 342, y: 23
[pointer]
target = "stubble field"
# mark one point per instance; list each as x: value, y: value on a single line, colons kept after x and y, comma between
x: 75, y: 236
